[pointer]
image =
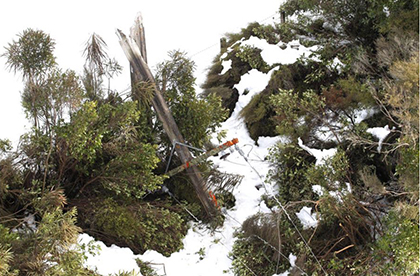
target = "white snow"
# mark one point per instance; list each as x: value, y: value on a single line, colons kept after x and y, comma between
x: 29, y: 225
x: 363, y: 114
x: 340, y: 192
x: 320, y: 155
x: 325, y: 134
x: 250, y: 85
x: 282, y: 274
x: 292, y: 259
x: 336, y: 65
x: 380, y: 133
x: 273, y: 54
x: 317, y: 189
x: 227, y: 65
x: 111, y: 259
x: 306, y: 217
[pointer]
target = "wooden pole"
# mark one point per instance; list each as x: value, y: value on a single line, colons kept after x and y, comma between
x: 134, y: 53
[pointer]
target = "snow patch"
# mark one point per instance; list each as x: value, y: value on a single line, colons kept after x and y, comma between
x: 227, y: 65
x: 111, y: 259
x: 274, y: 54
x: 336, y: 65
x: 380, y: 133
x: 320, y: 155
x: 317, y: 189
x: 292, y: 259
x: 306, y: 217
x: 250, y: 85
x: 363, y: 114
x: 339, y: 193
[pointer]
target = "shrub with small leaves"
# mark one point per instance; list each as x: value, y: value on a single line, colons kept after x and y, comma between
x: 139, y: 226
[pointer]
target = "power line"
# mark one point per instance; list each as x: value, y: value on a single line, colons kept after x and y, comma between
x: 208, y: 48
x: 216, y: 44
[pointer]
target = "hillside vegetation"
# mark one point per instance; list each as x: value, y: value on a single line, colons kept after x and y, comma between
x: 361, y: 77
x: 94, y: 160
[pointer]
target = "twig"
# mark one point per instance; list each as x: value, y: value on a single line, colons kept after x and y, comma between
x: 343, y: 249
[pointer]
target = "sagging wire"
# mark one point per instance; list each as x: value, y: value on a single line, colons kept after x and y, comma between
x: 253, y: 168
x: 166, y: 190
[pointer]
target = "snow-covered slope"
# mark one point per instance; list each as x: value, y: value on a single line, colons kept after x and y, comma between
x: 205, y: 252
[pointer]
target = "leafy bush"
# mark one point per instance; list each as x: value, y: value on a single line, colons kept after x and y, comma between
x: 139, y: 226
x: 259, y: 110
x: 107, y: 148
x: 251, y: 55
x: 252, y: 257
x: 145, y: 268
x: 290, y: 164
x: 397, y: 251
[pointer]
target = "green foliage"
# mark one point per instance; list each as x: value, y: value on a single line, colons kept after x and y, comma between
x: 47, y: 100
x: 263, y: 245
x: 98, y: 65
x: 250, y: 257
x: 351, y: 19
x: 83, y: 139
x: 267, y: 32
x: 258, y: 110
x: 48, y: 249
x: 388, y: 15
x: 291, y: 163
x: 10, y: 177
x: 332, y: 174
x: 145, y: 268
x: 251, y: 55
x: 48, y: 91
x: 141, y: 227
x: 347, y: 93
x: 6, y: 256
x: 32, y: 54
x: 293, y: 109
x: 397, y: 251
x: 127, y: 273
x: 195, y: 117
x: 376, y: 43
x: 408, y: 170
x: 5, y: 145
x: 109, y: 149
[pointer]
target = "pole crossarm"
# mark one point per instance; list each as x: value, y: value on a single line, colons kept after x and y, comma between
x: 202, y: 157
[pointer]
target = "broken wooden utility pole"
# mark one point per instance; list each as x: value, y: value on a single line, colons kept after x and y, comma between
x: 135, y: 51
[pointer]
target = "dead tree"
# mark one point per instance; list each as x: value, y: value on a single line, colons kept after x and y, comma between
x: 135, y: 51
